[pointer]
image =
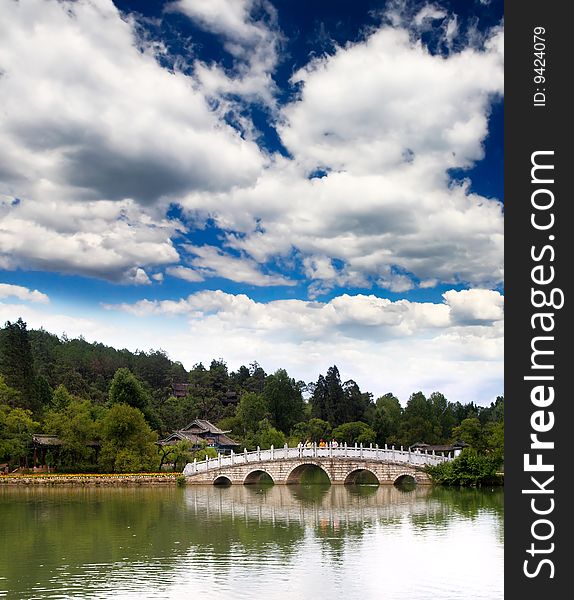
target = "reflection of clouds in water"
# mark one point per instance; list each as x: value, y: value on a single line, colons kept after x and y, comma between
x: 245, y: 542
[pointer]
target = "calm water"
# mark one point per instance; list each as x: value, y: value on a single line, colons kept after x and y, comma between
x: 292, y: 543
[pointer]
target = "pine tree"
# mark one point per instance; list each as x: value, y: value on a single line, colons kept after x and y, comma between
x: 16, y: 362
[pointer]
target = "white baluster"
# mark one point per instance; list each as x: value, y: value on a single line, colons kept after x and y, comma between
x: 272, y: 453
x: 232, y: 457
x: 258, y: 453
x: 195, y: 465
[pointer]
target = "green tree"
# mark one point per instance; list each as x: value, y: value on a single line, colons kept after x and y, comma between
x: 204, y: 451
x: 312, y: 430
x: 284, y: 400
x: 387, y: 419
x: 8, y: 395
x: 127, y: 441
x: 267, y: 436
x: 75, y: 424
x: 127, y: 389
x: 17, y: 363
x: 495, y: 439
x: 354, y: 432
x: 328, y: 398
x: 61, y: 398
x: 180, y: 454
x: 443, y: 415
x: 420, y: 422
x: 355, y: 403
x: 471, y: 432
x: 16, y: 429
x: 207, y: 389
x: 251, y: 410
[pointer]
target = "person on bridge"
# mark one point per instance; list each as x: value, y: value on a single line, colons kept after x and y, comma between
x: 334, y: 444
x: 322, y: 443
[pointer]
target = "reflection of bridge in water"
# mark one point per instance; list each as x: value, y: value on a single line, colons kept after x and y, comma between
x: 312, y: 505
x: 342, y: 465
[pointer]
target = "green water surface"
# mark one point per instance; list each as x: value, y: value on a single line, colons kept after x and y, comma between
x: 254, y: 542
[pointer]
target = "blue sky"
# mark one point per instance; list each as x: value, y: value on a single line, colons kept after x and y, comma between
x: 300, y: 184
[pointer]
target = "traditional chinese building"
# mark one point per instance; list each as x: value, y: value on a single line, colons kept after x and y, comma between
x: 199, y: 432
x: 42, y: 443
x: 443, y: 449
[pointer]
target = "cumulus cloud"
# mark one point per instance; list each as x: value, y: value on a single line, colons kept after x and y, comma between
x: 112, y: 240
x: 401, y: 346
x: 362, y: 108
x: 253, y: 42
x: 475, y: 306
x: 99, y: 140
x: 8, y: 290
x: 89, y: 116
x: 358, y: 316
x: 384, y: 120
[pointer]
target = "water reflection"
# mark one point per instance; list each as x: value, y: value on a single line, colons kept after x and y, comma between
x: 245, y: 541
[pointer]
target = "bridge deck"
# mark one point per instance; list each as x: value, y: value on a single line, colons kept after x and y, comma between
x: 383, y: 455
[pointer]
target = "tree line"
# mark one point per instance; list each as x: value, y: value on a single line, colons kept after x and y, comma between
x: 109, y: 406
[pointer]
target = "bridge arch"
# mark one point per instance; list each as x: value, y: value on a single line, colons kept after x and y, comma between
x: 258, y: 476
x: 405, y: 478
x: 361, y: 475
x: 222, y: 480
x: 295, y: 475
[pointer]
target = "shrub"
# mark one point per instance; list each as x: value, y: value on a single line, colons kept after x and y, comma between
x: 467, y: 469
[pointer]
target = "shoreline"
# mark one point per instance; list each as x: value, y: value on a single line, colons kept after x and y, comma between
x: 91, y: 479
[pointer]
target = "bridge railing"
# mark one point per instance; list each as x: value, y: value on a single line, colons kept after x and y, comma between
x: 371, y: 453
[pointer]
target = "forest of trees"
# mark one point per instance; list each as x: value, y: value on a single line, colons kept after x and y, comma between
x: 90, y: 395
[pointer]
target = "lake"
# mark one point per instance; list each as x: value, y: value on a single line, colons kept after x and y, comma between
x: 300, y: 542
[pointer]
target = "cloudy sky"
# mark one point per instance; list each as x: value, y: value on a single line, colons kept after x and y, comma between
x: 295, y: 183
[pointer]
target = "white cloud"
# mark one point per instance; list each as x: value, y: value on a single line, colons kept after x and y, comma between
x: 185, y: 273
x: 386, y: 120
x: 8, y: 290
x: 400, y: 346
x: 226, y: 17
x: 357, y: 317
x: 253, y: 43
x: 103, y: 239
x: 362, y: 108
x: 213, y: 262
x: 475, y: 306
x: 383, y: 118
x: 89, y: 117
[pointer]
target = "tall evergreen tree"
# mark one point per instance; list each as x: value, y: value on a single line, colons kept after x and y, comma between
x: 17, y: 363
x: 284, y: 400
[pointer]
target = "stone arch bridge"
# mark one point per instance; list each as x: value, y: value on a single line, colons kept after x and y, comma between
x: 286, y: 465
